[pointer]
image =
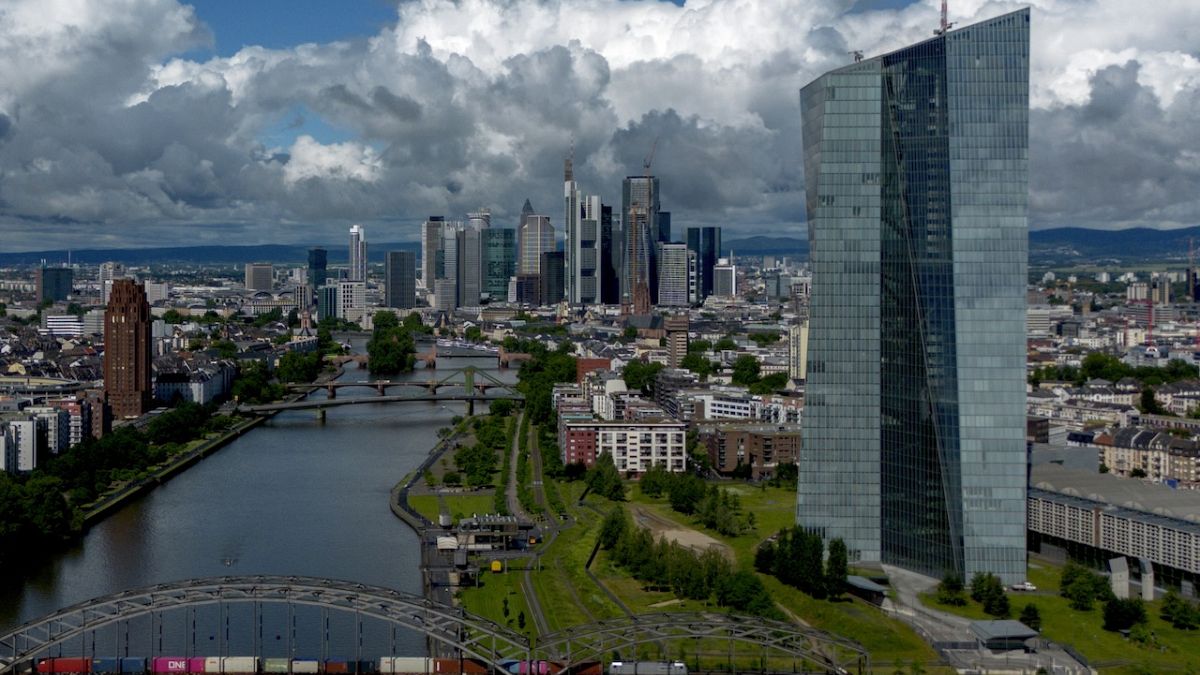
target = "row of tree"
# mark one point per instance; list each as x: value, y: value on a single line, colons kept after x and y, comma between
x: 392, y: 347
x: 1102, y: 366
x: 716, y: 508
x: 797, y: 558
x: 477, y: 462
x: 707, y: 577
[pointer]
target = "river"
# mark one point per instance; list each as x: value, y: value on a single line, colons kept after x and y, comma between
x: 294, y: 496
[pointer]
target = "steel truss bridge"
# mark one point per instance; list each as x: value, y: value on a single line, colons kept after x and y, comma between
x: 468, y: 384
x: 452, y: 629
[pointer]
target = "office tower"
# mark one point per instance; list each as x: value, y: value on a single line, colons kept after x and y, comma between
x: 351, y: 300
x: 798, y: 351
x: 445, y: 294
x: 259, y: 276
x: 677, y: 339
x: 431, y: 247
x: 581, y: 245
x: 358, y: 254
x: 916, y: 173
x: 537, y: 237
x: 127, y: 353
x: 527, y: 289
x: 54, y: 283
x: 609, y: 272
x: 327, y: 301
x: 104, y: 278
x: 400, y: 280
x: 18, y: 444
x: 448, y: 267
x: 157, y: 291
x: 318, y: 261
x: 673, y: 275
x: 480, y: 220
x: 664, y: 227
x: 725, y: 279
x: 706, y: 242
x: 499, y: 262
x: 552, y: 289
x: 639, y: 213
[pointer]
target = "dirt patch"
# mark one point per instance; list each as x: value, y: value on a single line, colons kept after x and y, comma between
x: 672, y: 531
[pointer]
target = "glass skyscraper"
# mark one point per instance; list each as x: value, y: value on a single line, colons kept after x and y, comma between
x: 916, y: 171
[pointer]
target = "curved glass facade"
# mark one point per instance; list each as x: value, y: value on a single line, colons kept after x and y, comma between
x: 917, y: 190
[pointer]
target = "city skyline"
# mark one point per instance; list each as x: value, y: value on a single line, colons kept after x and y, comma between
x: 255, y: 167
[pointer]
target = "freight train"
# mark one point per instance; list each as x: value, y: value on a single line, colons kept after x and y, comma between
x: 387, y: 665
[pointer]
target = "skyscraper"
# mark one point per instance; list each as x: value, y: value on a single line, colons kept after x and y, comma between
x: 639, y: 213
x: 499, y: 262
x: 553, y: 268
x: 260, y: 276
x: 317, y: 266
x: 581, y: 229
x: 127, y: 387
x: 916, y: 171
x: 706, y: 242
x: 104, y: 278
x: 431, y: 246
x: 725, y: 279
x: 358, y: 254
x: 400, y: 280
x: 469, y: 263
x: 54, y: 283
x: 610, y: 257
x: 673, y: 275
x: 677, y: 339
x: 537, y: 237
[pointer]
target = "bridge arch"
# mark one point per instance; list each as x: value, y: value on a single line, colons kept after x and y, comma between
x: 598, y: 641
x: 475, y: 636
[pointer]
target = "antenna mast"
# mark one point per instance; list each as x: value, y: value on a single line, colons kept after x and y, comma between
x: 945, y: 24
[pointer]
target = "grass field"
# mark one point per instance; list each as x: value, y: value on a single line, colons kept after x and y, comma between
x: 488, y: 600
x: 1176, y: 651
x: 460, y: 505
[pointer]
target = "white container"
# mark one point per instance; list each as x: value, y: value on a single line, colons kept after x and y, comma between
x: 405, y: 665
x: 306, y: 666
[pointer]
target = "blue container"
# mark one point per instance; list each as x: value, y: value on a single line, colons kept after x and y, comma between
x: 134, y: 664
x: 106, y: 665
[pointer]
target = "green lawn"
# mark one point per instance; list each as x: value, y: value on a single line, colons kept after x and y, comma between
x: 460, y: 505
x: 488, y: 600
x: 1176, y: 652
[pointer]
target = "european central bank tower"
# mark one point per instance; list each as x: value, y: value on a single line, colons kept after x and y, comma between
x: 916, y: 171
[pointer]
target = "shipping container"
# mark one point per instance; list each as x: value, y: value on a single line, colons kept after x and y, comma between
x: 275, y: 665
x: 231, y: 664
x: 405, y: 665
x: 365, y: 666
x: 64, y: 665
x: 177, y: 664
x: 457, y: 667
x: 306, y: 666
x: 133, y: 665
x: 106, y: 664
x: 588, y: 668
x: 337, y: 666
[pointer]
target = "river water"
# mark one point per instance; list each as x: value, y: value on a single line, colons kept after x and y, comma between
x: 294, y: 496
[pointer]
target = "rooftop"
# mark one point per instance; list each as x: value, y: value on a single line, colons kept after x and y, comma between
x: 1128, y: 493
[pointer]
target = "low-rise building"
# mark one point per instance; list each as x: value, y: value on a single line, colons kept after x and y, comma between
x: 633, y: 446
x: 761, y: 447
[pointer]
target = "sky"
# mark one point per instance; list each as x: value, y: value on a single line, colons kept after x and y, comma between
x: 158, y: 122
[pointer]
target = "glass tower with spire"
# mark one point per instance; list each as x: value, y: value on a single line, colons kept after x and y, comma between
x: 916, y: 172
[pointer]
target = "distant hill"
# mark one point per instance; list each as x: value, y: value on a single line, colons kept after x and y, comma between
x: 274, y: 253
x: 1139, y: 244
x: 766, y: 245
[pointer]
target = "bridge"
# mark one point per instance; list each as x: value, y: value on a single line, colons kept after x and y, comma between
x: 449, y: 630
x: 459, y: 384
x: 428, y: 354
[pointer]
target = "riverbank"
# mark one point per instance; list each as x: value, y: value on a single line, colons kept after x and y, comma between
x: 112, y: 502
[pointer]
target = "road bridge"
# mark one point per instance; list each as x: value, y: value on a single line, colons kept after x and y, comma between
x: 468, y: 384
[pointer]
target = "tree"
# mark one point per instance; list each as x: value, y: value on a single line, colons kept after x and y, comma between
x: 698, y: 364
x: 950, y: 590
x: 1179, y: 612
x: 521, y: 620
x: 725, y: 344
x: 502, y: 407
x: 1124, y: 613
x: 614, y: 527
x: 745, y: 370
x: 629, y: 334
x: 836, y: 568
x: 604, y: 479
x: 769, y: 384
x: 296, y: 367
x: 1030, y: 616
x: 988, y: 590
x: 391, y: 349
x: 1149, y: 404
x: 639, y: 375
x: 385, y: 320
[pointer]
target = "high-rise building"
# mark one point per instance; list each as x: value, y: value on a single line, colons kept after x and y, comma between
x: 327, y: 301
x: 664, y: 227
x: 639, y: 213
x: 706, y: 242
x: 798, y: 351
x: 358, y: 254
x: 104, y: 278
x: 449, y: 267
x: 127, y: 350
x: 677, y: 339
x: 581, y: 229
x: 54, y: 283
x: 318, y: 261
x: 916, y: 172
x: 351, y: 300
x: 674, y: 275
x: 431, y: 247
x: 610, y: 257
x: 537, y: 237
x: 445, y: 294
x: 527, y: 289
x: 499, y: 262
x: 470, y: 258
x: 260, y: 276
x: 400, y: 280
x: 480, y: 220
x: 552, y: 289
x: 725, y: 279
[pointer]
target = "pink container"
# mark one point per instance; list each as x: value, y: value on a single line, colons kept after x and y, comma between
x: 177, y: 664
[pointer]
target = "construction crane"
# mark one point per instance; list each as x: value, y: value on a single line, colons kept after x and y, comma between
x: 858, y: 55
x: 945, y: 25
x: 639, y: 285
